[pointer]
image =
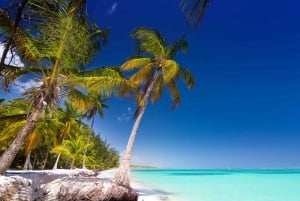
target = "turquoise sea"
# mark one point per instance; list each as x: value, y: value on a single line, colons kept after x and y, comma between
x: 222, y: 185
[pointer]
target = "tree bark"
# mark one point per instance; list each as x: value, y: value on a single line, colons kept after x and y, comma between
x: 122, y: 176
x: 10, y: 153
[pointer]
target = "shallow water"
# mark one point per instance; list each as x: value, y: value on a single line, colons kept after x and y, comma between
x: 223, y: 185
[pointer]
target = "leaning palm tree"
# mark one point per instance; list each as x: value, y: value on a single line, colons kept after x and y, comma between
x: 155, y: 71
x: 194, y: 10
x: 61, y: 44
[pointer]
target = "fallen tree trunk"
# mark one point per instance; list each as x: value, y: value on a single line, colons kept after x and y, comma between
x: 50, y: 187
x: 92, y: 189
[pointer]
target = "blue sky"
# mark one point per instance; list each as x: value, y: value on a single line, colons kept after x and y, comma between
x: 244, y: 110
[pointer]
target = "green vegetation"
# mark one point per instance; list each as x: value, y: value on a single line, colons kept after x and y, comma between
x: 56, y: 41
x: 55, y: 46
x: 45, y: 141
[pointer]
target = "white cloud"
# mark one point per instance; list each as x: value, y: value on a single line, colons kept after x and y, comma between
x: 112, y: 9
x: 16, y: 61
x: 21, y: 87
x: 126, y: 116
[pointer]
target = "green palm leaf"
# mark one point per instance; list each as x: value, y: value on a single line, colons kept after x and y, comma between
x: 170, y: 70
x: 143, y: 74
x: 135, y: 63
x: 174, y: 92
x: 186, y: 76
x: 194, y: 10
x: 150, y: 41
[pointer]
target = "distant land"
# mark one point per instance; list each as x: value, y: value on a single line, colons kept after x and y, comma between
x: 142, y: 167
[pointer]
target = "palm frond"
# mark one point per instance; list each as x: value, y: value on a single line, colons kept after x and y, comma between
x: 110, y: 71
x: 143, y: 74
x: 170, y: 70
x: 11, y: 73
x: 174, y: 92
x: 150, y: 41
x: 157, y: 90
x: 14, y: 117
x: 135, y: 63
x: 77, y: 98
x: 194, y: 10
x: 11, y: 130
x: 179, y: 45
x: 186, y: 76
x: 6, y: 23
x: 103, y: 81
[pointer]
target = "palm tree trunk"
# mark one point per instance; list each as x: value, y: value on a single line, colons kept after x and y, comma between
x: 57, y: 159
x: 27, y: 164
x: 122, y: 176
x: 87, y: 144
x: 46, y: 158
x: 56, y: 162
x: 10, y: 153
x: 73, y: 164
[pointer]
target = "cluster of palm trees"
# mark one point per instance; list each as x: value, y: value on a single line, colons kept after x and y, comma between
x: 60, y: 134
x: 56, y: 41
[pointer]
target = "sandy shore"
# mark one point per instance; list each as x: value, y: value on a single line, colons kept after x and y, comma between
x: 145, y: 193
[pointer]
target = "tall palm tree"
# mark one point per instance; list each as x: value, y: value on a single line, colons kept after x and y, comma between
x: 91, y: 104
x: 155, y: 70
x: 194, y: 10
x: 61, y: 43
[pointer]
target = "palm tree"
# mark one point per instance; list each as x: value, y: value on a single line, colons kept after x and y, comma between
x: 194, y: 10
x: 72, y: 148
x: 154, y: 71
x: 71, y: 120
x: 60, y: 44
x: 91, y: 104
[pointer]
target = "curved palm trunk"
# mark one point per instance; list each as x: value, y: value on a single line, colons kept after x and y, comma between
x: 56, y: 162
x: 10, y: 153
x: 27, y: 164
x: 57, y: 159
x: 122, y: 176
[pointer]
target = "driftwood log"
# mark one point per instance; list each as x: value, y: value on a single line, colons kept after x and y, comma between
x: 51, y: 187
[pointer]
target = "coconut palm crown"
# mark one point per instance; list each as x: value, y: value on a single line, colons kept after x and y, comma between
x: 154, y: 70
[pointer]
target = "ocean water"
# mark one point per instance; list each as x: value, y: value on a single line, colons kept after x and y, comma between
x: 222, y: 185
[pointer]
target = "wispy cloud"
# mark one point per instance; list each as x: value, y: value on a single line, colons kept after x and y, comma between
x: 113, y: 8
x: 126, y: 116
x: 12, y: 59
x: 21, y: 87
